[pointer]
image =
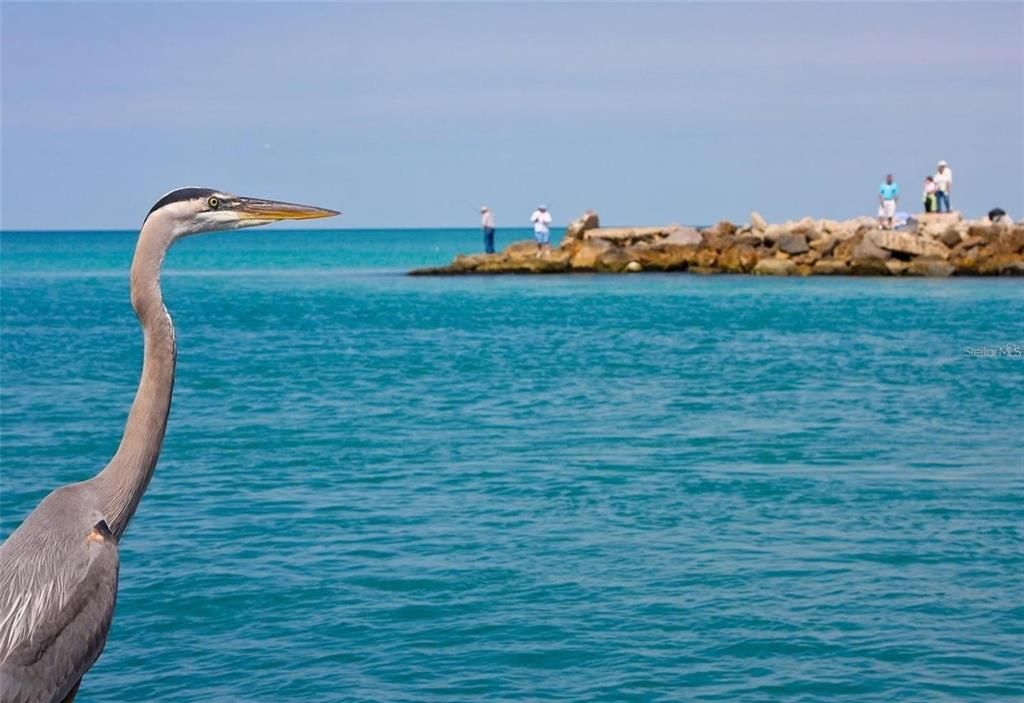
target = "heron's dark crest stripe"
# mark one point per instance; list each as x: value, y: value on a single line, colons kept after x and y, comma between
x: 176, y: 196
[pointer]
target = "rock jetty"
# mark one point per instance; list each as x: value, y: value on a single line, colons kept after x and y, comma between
x: 932, y: 245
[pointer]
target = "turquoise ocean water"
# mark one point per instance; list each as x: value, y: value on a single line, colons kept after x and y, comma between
x: 573, y: 488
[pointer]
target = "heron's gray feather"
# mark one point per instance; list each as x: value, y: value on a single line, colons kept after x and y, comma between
x: 58, y: 585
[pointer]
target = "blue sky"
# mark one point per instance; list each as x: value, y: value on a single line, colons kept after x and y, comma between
x: 414, y: 114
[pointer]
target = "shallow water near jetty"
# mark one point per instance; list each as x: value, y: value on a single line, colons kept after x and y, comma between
x: 650, y: 488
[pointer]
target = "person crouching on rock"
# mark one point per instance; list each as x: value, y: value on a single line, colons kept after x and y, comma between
x: 929, y: 194
x: 541, y: 218
x: 888, y: 196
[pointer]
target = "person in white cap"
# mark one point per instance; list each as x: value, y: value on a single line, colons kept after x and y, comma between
x: 487, y: 223
x: 943, y: 186
x: 541, y: 220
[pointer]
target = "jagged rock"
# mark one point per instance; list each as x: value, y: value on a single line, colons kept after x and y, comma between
x: 950, y: 237
x: 807, y: 258
x: 739, y: 258
x: 586, y: 256
x: 793, y: 243
x: 706, y: 258
x: 465, y: 263
x: 664, y: 257
x: 1003, y: 265
x: 578, y: 227
x: 830, y: 267
x: 686, y: 236
x: 713, y: 239
x: 625, y: 236
x: 907, y: 243
x: 612, y: 260
x: 866, y: 249
x: 1011, y: 240
x: 803, y: 226
x: 773, y: 232
x: 932, y: 267
x: 524, y: 247
x: 966, y: 244
x: 869, y: 267
x: 757, y: 223
x: 726, y: 228
x: 896, y: 267
x: 775, y: 267
x: 633, y: 267
x: 825, y: 245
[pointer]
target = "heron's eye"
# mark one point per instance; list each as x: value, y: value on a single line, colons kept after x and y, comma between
x: 214, y: 203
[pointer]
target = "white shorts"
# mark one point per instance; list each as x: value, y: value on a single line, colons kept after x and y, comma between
x: 887, y: 208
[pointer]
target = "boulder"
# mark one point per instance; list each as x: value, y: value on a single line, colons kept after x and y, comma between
x: 829, y: 267
x: 586, y: 256
x: 866, y: 249
x: 612, y: 260
x: 706, y: 258
x: 869, y: 267
x: 986, y: 231
x: 465, y: 263
x: 950, y: 237
x: 824, y: 245
x: 726, y: 228
x: 625, y: 236
x: 685, y: 236
x: 739, y: 258
x: 907, y: 243
x: 713, y: 239
x: 804, y: 226
x: 1002, y: 265
x: 520, y: 249
x: 757, y: 223
x: 775, y: 267
x: 578, y: 227
x: 663, y: 257
x: 773, y: 232
x: 1011, y: 240
x: 793, y: 243
x: 807, y: 258
x: 896, y: 267
x: 933, y: 267
x: 966, y: 244
x: 633, y: 267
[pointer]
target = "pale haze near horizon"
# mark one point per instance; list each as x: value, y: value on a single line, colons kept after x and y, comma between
x: 414, y: 115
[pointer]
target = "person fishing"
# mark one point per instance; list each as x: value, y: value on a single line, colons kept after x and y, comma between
x: 487, y: 224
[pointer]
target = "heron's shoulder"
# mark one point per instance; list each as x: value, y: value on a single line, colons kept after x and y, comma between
x: 67, y: 510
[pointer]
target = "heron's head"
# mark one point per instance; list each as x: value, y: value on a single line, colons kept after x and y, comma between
x: 188, y: 211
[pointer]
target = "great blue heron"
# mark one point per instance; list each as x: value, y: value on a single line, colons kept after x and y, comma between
x: 58, y: 569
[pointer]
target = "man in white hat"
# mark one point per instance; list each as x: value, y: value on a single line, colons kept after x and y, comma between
x: 487, y: 223
x: 943, y: 186
x: 541, y: 220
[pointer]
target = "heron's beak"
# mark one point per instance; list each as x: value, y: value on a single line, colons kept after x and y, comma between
x: 272, y: 210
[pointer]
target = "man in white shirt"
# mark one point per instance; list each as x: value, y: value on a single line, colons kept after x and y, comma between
x: 943, y: 186
x: 541, y: 220
x: 487, y: 223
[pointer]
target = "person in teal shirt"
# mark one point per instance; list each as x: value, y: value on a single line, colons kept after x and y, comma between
x: 888, y: 196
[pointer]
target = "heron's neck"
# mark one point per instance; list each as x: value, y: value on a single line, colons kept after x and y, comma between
x: 125, y: 478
